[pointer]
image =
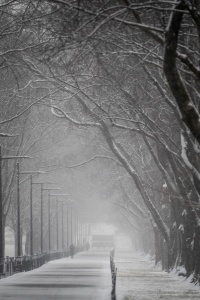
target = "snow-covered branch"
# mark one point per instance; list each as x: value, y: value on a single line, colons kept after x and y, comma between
x: 94, y: 158
x: 184, y: 156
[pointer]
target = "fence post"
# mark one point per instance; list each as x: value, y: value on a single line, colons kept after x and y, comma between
x: 11, y: 265
x: 113, y: 274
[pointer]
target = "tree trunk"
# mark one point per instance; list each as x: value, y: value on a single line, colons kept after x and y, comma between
x: 189, y: 113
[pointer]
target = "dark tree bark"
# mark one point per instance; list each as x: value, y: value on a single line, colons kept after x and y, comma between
x: 190, y: 115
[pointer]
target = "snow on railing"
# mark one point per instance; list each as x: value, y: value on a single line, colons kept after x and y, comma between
x: 13, y: 265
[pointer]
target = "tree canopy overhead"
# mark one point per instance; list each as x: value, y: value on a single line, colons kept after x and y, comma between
x: 128, y: 71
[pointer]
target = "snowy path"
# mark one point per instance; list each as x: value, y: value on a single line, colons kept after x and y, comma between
x: 87, y: 276
x: 138, y: 279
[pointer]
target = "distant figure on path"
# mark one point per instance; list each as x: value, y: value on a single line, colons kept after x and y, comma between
x: 71, y: 249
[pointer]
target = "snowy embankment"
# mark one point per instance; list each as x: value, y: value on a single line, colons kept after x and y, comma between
x: 138, y: 278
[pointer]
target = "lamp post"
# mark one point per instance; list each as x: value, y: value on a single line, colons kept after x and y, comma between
x: 49, y: 220
x: 67, y: 226
x: 67, y: 221
x: 71, y: 225
x: 31, y: 210
x: 41, y: 207
x: 77, y: 231
x: 75, y: 227
x: 83, y: 227
x: 63, y: 242
x: 72, y: 218
x: 57, y: 241
x: 1, y: 197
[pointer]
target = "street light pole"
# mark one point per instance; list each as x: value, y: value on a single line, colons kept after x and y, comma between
x: 31, y: 209
x: 41, y: 208
x: 71, y: 225
x: 77, y: 221
x: 57, y: 223
x: 49, y: 214
x: 49, y: 221
x: 67, y: 226
x: 31, y: 216
x: 41, y: 217
x: 77, y: 227
x: 1, y: 199
x: 18, y: 215
x: 67, y: 222
x: 63, y: 242
x: 57, y: 231
x: 2, y: 240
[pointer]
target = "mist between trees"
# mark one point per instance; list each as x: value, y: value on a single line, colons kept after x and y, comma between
x: 111, y: 90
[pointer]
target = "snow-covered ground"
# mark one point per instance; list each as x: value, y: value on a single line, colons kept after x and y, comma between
x: 139, y: 279
x: 86, y: 277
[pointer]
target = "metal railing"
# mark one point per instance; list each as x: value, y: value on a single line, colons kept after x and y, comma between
x: 113, y: 274
x: 13, y: 265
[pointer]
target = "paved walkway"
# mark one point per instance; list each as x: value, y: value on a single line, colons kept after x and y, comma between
x: 87, y: 276
x: 139, y: 279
